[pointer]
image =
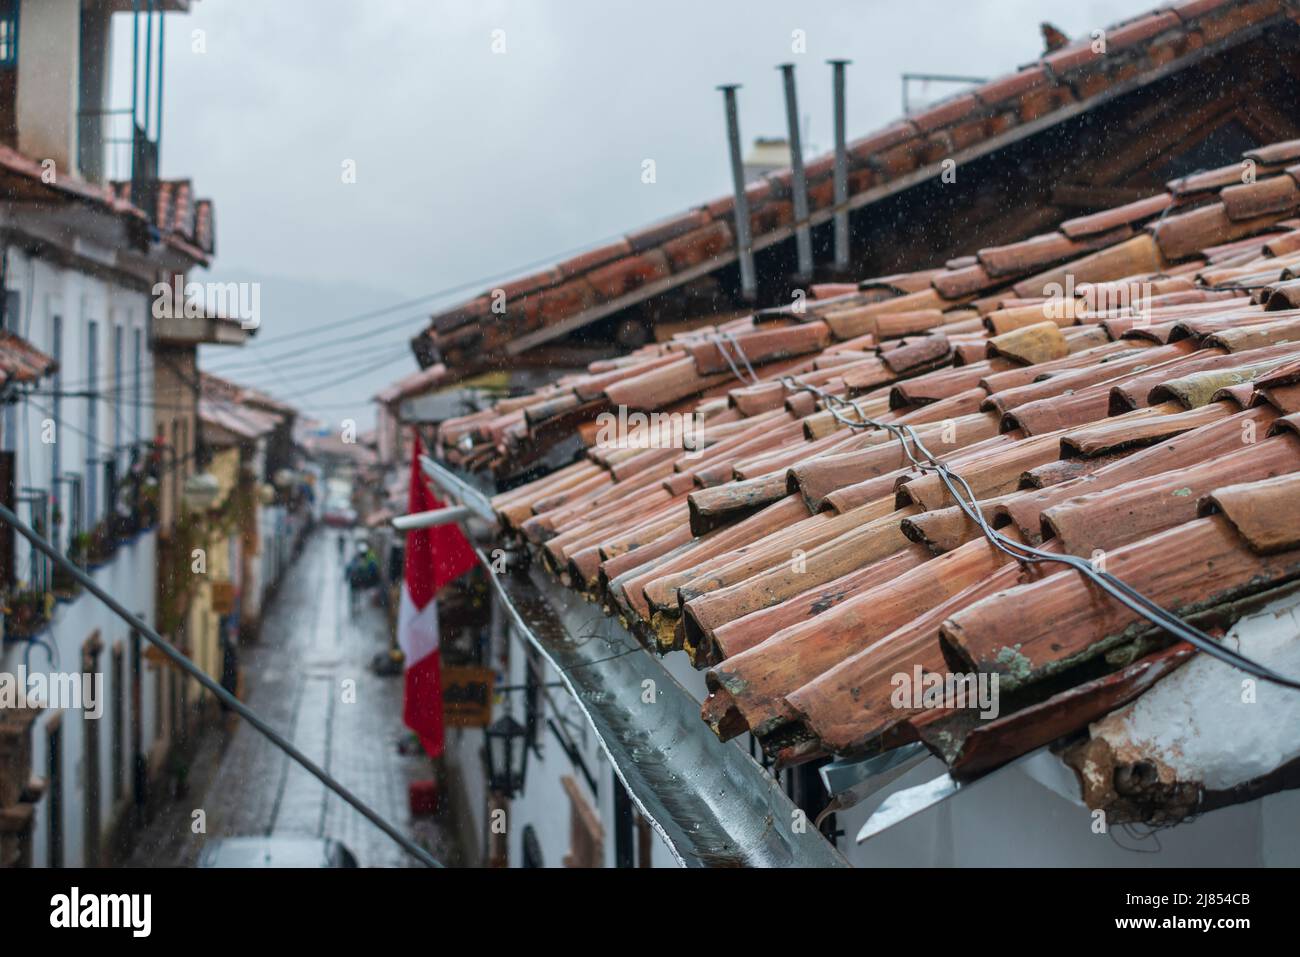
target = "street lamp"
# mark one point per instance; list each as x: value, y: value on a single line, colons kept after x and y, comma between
x: 507, y: 756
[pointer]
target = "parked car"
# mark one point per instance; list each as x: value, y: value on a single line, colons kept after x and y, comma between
x: 308, y: 852
x: 339, y: 514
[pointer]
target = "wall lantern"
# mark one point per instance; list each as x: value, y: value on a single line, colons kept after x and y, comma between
x: 201, y: 491
x: 507, y: 756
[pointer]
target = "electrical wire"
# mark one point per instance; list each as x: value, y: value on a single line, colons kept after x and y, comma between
x: 966, y: 499
x: 447, y: 291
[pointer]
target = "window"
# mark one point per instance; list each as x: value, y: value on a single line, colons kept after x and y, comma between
x: 137, y: 397
x: 157, y: 701
x: 54, y: 777
x: 138, y: 769
x: 13, y: 322
x: 56, y: 413
x: 92, y: 422
x: 8, y: 34
x: 116, y: 717
x: 90, y: 650
x: 8, y: 498
x: 118, y: 342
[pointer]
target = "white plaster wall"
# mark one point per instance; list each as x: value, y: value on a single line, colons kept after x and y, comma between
x: 1011, y: 820
x: 129, y: 577
x: 47, y: 291
x: 77, y: 299
x: 48, y: 59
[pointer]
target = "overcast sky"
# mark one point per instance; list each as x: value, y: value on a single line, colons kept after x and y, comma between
x: 470, y: 163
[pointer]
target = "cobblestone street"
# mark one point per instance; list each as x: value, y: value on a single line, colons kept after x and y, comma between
x: 294, y: 677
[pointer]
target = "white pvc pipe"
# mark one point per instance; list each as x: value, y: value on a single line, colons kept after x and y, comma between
x: 439, y: 516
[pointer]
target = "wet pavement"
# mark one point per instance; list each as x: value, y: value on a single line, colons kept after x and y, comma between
x: 309, y: 677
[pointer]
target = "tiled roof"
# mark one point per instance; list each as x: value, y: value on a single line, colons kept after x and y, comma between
x: 20, y: 361
x: 240, y: 422
x: 1125, y: 389
x: 179, y: 215
x: 30, y: 178
x: 1058, y: 85
x: 417, y: 383
x: 185, y: 222
x: 240, y: 411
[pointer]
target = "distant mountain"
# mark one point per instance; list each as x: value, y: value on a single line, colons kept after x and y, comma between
x: 330, y: 374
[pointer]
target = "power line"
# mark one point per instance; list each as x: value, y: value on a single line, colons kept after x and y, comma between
x: 450, y: 290
x: 124, y: 397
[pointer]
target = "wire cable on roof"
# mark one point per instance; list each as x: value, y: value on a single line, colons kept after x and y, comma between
x: 966, y: 499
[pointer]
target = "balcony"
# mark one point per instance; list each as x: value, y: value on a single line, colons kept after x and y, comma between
x: 29, y: 604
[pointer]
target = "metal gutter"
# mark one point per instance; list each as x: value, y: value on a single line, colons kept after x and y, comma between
x: 459, y: 489
x: 712, y: 804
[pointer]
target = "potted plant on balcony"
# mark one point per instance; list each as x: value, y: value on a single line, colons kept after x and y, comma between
x: 148, y: 503
x: 27, y: 612
x: 79, y: 548
x: 64, y: 586
x: 101, y: 545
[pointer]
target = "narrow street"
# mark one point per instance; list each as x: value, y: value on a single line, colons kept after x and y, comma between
x: 297, y: 678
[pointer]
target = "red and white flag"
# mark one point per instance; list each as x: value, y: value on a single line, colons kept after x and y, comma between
x: 434, y: 557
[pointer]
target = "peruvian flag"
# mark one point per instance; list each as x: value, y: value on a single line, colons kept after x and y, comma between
x: 434, y: 557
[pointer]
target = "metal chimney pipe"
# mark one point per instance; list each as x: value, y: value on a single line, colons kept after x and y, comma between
x: 744, y: 241
x: 841, y: 170
x: 799, y: 184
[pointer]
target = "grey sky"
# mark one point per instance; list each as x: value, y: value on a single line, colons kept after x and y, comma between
x: 471, y: 162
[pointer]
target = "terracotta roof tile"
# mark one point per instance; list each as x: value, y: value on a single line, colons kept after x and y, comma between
x: 1255, y: 507
x: 1274, y: 194
x: 1042, y: 627
x: 1072, y: 440
x: 1013, y: 85
x: 20, y: 361
x: 680, y: 246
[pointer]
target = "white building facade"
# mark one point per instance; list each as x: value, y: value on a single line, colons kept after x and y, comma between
x: 79, y: 263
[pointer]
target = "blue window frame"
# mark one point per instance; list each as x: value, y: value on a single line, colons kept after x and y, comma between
x: 137, y: 397
x: 56, y: 409
x: 118, y: 397
x: 92, y: 422
x: 8, y: 33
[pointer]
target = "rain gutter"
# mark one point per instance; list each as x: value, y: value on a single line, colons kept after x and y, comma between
x: 710, y: 802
